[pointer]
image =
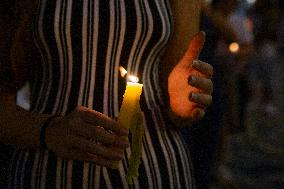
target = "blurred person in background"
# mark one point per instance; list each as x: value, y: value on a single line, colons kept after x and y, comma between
x: 241, y: 50
x: 281, y: 28
x: 264, y: 15
x: 255, y: 158
x: 278, y: 71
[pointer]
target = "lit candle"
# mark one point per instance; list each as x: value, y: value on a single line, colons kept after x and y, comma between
x: 130, y: 116
x: 130, y: 104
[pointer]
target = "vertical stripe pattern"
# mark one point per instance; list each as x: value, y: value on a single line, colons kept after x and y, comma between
x: 82, y: 44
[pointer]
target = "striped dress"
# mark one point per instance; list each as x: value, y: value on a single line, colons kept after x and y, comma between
x: 82, y: 44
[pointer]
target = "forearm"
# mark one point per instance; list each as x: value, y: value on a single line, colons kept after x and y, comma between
x: 186, y: 17
x: 18, y: 126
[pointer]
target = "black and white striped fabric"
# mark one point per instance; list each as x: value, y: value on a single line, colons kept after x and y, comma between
x: 82, y: 44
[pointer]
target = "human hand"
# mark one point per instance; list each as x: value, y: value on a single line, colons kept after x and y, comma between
x: 189, y: 83
x: 87, y: 135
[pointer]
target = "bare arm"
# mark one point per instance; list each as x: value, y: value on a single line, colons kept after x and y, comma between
x: 186, y: 15
x: 18, y: 126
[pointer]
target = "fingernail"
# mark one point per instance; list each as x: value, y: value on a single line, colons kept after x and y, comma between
x: 194, y: 96
x: 195, y: 63
x: 199, y: 114
x: 202, y: 113
x: 191, y: 79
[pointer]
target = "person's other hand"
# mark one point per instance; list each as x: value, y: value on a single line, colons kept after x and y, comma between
x: 189, y: 84
x: 87, y: 135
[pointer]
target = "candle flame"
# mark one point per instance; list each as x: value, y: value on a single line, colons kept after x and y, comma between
x: 123, y: 71
x: 130, y: 78
x: 133, y: 79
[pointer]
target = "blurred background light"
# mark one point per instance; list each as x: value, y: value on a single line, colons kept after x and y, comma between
x: 234, y: 47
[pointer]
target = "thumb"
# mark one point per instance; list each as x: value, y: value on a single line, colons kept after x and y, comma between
x: 194, y: 48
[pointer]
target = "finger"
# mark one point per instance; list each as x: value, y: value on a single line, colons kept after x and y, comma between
x: 203, y: 67
x: 89, y: 131
x: 198, y: 113
x: 204, y: 84
x: 202, y: 99
x: 96, y: 149
x: 194, y: 48
x: 102, y: 162
x: 76, y: 154
x: 97, y: 118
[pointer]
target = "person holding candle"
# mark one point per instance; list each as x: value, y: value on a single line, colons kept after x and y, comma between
x: 70, y: 52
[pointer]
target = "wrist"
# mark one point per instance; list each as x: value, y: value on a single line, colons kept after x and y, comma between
x: 49, y: 122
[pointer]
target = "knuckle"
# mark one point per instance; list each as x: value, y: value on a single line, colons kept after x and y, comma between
x: 107, y: 138
x: 99, y: 133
